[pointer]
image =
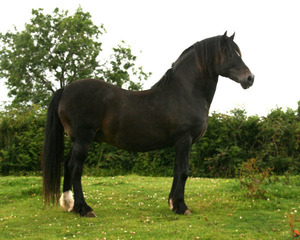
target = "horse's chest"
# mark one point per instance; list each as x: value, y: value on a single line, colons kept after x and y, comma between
x: 198, y: 129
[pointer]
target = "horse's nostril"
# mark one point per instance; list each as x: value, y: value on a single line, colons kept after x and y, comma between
x: 251, y: 78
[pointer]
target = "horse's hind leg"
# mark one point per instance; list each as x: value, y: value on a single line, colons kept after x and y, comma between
x: 79, y: 153
x: 66, y: 200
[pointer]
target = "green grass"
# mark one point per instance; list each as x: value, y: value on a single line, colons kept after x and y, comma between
x: 134, y: 207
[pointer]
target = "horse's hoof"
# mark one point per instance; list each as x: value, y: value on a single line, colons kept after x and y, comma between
x: 90, y: 214
x: 187, y: 212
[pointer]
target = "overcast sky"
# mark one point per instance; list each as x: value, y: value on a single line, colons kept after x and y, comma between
x: 267, y: 32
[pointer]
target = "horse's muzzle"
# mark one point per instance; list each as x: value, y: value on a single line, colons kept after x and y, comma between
x: 248, y: 82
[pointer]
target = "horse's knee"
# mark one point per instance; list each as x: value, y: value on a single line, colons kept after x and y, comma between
x: 80, y: 150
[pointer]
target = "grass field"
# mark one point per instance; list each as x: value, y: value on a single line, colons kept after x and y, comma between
x: 133, y: 207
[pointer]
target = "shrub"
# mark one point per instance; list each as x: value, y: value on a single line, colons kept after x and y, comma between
x: 252, y: 178
x: 21, y: 140
x: 230, y: 140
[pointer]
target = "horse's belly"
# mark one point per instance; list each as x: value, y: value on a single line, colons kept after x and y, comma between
x: 144, y: 140
x: 151, y: 137
x: 136, y: 137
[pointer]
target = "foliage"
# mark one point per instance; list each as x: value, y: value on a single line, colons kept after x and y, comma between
x: 104, y: 160
x: 229, y: 141
x: 279, y: 140
x: 21, y: 140
x: 54, y: 50
x: 291, y: 217
x: 136, y: 207
x: 252, y: 178
x: 233, y: 139
x: 120, y: 69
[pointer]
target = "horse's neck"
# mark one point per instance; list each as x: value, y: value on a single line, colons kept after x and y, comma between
x: 185, y: 79
x: 194, y: 84
x: 207, y: 87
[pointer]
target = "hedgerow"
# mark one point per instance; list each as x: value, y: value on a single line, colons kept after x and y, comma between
x: 231, y: 139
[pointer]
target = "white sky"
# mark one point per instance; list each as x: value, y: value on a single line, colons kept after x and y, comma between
x: 267, y: 32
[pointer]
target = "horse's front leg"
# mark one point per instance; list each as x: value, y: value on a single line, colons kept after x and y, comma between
x: 181, y: 170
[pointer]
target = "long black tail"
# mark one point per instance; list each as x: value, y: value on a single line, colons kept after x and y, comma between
x: 53, y: 151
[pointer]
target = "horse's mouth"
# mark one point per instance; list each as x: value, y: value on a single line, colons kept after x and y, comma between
x: 245, y: 85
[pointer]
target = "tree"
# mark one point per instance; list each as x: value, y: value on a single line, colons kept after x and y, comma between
x: 121, y: 68
x: 57, y: 49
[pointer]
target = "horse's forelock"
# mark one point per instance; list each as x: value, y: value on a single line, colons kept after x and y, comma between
x: 231, y: 47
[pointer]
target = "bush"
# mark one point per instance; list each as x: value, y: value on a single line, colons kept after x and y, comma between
x: 233, y: 139
x: 21, y: 140
x: 230, y: 141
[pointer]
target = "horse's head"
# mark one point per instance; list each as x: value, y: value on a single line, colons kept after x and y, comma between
x: 231, y: 64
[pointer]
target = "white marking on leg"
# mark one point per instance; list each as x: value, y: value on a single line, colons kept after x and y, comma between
x: 66, y: 201
x: 171, y: 204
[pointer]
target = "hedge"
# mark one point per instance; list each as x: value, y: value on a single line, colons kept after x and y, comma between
x: 230, y: 140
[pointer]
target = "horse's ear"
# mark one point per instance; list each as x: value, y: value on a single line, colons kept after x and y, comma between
x: 224, y: 37
x: 232, y: 37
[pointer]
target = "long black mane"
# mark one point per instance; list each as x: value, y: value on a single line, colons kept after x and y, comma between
x: 167, y: 77
x: 207, y: 52
x: 164, y: 81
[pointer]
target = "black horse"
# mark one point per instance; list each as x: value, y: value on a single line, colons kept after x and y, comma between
x: 174, y: 112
